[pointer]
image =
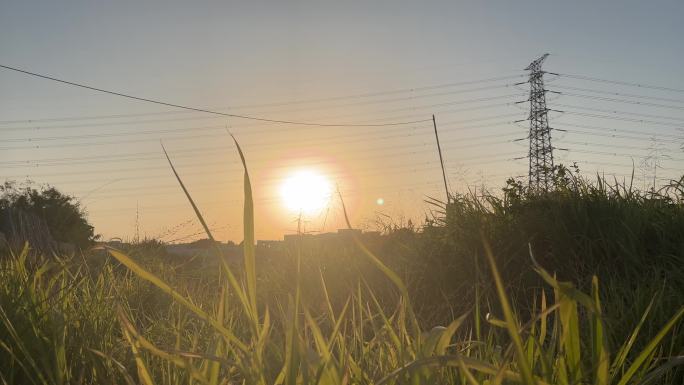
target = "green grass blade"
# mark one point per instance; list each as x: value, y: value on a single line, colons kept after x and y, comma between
x: 146, y: 275
x: 510, y: 319
x: 187, y: 194
x: 627, y: 345
x: 599, y: 340
x: 384, y: 269
x: 641, y: 359
x: 248, y: 228
x: 570, y: 338
x: 143, y: 374
x: 465, y: 371
x: 661, y: 370
x: 453, y: 361
x: 447, y: 334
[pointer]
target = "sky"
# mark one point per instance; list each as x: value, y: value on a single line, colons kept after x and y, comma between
x: 365, y: 62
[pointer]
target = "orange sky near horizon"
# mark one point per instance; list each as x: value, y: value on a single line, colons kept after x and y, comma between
x: 340, y: 63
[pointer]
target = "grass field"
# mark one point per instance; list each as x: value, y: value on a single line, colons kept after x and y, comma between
x: 580, y: 286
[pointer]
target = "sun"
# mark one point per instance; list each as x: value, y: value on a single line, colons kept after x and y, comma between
x: 306, y: 192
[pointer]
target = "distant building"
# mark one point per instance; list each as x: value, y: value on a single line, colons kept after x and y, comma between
x: 341, y: 236
x: 349, y: 232
x: 268, y: 244
x: 372, y: 234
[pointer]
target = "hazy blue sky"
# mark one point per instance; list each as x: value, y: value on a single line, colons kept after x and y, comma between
x: 224, y: 54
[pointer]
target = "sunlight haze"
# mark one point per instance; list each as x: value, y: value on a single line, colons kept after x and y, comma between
x: 321, y: 62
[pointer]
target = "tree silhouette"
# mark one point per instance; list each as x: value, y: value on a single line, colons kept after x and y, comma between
x: 62, y: 214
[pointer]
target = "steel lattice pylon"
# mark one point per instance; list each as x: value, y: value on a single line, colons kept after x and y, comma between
x: 541, y: 151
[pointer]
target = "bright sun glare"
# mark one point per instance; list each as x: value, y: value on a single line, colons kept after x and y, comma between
x: 306, y: 192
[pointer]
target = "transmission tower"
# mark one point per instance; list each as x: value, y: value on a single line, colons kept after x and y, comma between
x: 541, y: 151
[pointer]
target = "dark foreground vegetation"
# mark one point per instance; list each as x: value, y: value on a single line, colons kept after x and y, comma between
x: 583, y: 285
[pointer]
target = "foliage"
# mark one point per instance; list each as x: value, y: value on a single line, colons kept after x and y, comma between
x: 100, y: 321
x: 65, y: 219
x: 632, y: 240
x: 63, y: 323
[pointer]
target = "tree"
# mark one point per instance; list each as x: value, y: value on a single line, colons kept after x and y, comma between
x: 62, y: 214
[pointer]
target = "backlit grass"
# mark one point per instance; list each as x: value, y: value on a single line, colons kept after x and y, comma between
x: 121, y: 320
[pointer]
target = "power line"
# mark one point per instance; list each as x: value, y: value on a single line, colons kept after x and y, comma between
x: 411, y: 108
x: 210, y: 150
x: 269, y: 130
x: 620, y: 136
x: 617, y: 154
x: 247, y: 117
x: 590, y: 127
x: 236, y: 180
x: 216, y: 184
x: 109, y: 135
x: 622, y: 112
x: 222, y: 204
x: 617, y: 82
x: 163, y: 131
x: 589, y: 144
x: 193, y: 109
x: 623, y: 94
x: 175, y: 112
x: 373, y: 150
x: 591, y: 162
x: 193, y: 136
x: 212, y: 172
x: 625, y: 101
x: 599, y: 116
x: 222, y: 148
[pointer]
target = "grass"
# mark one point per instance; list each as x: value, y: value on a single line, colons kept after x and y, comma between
x: 122, y: 319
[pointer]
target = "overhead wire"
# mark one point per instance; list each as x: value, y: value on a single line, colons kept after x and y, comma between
x: 172, y: 120
x: 624, y: 101
x: 189, y: 152
x: 372, y: 150
x: 366, y: 124
x: 603, y: 145
x: 599, y: 116
x: 599, y: 128
x: 614, y: 93
x: 250, y: 132
x: 459, y: 124
x: 676, y: 118
x: 194, y: 136
x: 616, y: 154
x: 214, y: 112
x: 212, y: 186
x: 617, y: 82
x: 222, y: 204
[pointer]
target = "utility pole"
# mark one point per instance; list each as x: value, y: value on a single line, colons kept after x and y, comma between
x: 541, y: 152
x: 441, y: 161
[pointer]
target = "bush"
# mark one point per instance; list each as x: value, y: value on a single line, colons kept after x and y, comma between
x: 61, y: 214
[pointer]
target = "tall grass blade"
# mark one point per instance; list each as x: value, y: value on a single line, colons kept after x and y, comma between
x: 510, y: 319
x: 601, y: 357
x: 641, y: 359
x: 627, y: 345
x: 143, y: 374
x: 187, y: 194
x: 177, y: 358
x: 657, y: 373
x: 453, y: 361
x: 383, y: 268
x: 248, y: 228
x: 146, y: 275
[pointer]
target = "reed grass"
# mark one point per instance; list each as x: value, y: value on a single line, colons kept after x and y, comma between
x: 118, y: 320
